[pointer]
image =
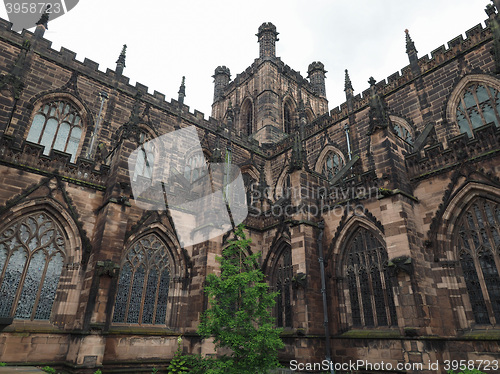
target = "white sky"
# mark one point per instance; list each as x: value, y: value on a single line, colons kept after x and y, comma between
x: 168, y: 39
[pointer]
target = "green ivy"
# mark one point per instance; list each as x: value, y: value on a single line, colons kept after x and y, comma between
x: 3, y: 364
x: 49, y: 370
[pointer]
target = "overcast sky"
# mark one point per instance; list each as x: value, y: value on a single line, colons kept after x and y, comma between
x: 168, y: 39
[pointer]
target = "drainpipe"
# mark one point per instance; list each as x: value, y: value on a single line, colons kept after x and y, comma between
x: 346, y: 128
x: 321, y: 226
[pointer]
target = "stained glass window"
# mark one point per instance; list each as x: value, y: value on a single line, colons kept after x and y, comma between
x: 478, y: 243
x: 369, y: 287
x: 283, y: 283
x: 478, y: 106
x: 332, y: 165
x: 32, y: 251
x: 143, y: 283
x: 57, y: 125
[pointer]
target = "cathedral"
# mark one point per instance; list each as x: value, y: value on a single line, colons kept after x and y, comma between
x: 378, y: 221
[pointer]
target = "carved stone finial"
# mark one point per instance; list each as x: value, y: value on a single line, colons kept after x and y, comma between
x: 182, y: 91
x: 120, y: 63
x: 379, y: 118
x: 347, y: 82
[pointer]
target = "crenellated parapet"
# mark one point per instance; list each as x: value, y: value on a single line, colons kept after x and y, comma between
x: 458, y: 46
x: 437, y: 159
x: 30, y: 157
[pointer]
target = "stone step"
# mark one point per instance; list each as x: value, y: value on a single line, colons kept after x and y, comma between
x: 19, y: 369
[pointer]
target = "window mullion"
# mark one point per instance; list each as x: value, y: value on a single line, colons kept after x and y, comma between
x: 40, y: 286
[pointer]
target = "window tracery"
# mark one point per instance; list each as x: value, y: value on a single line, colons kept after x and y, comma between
x: 144, y: 283
x: 478, y: 105
x: 403, y: 132
x: 57, y: 125
x: 32, y: 252
x: 283, y: 273
x: 478, y: 244
x: 332, y: 164
x: 369, y: 286
x: 195, y: 167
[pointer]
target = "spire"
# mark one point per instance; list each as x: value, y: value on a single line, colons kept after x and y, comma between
x: 379, y: 118
x: 182, y: 91
x: 349, y: 91
x: 42, y: 24
x: 411, y: 51
x: 120, y: 63
x: 230, y: 116
x: 495, y: 28
x: 348, y: 83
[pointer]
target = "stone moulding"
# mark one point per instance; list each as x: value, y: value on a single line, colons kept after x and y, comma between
x: 30, y: 157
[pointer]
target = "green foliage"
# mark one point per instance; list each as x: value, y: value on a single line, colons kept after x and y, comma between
x: 239, y: 317
x: 49, y: 370
x: 98, y: 371
x: 178, y: 362
x: 467, y: 371
x: 3, y: 364
x: 154, y: 371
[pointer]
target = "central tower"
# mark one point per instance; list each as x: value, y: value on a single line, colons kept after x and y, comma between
x: 268, y: 97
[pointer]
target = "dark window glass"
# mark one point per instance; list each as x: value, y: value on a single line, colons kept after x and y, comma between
x: 371, y: 299
x: 57, y: 125
x: 31, y: 259
x: 142, y: 294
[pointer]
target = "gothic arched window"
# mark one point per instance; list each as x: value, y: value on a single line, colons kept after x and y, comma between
x: 332, y: 165
x: 195, y: 167
x: 287, y: 119
x: 144, y: 283
x: 369, y: 287
x: 145, y: 157
x: 247, y: 117
x: 478, y: 243
x: 57, y: 125
x: 403, y: 132
x: 479, y: 104
x: 283, y: 284
x: 252, y: 194
x: 32, y: 252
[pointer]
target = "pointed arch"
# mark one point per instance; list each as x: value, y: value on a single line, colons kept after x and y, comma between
x: 365, y: 286
x: 470, y: 239
x: 283, y: 184
x: 329, y: 161
x: 247, y: 117
x: 280, y: 278
x: 149, y: 282
x: 288, y: 114
x: 39, y: 247
x: 59, y: 121
x: 474, y: 102
x: 403, y: 129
